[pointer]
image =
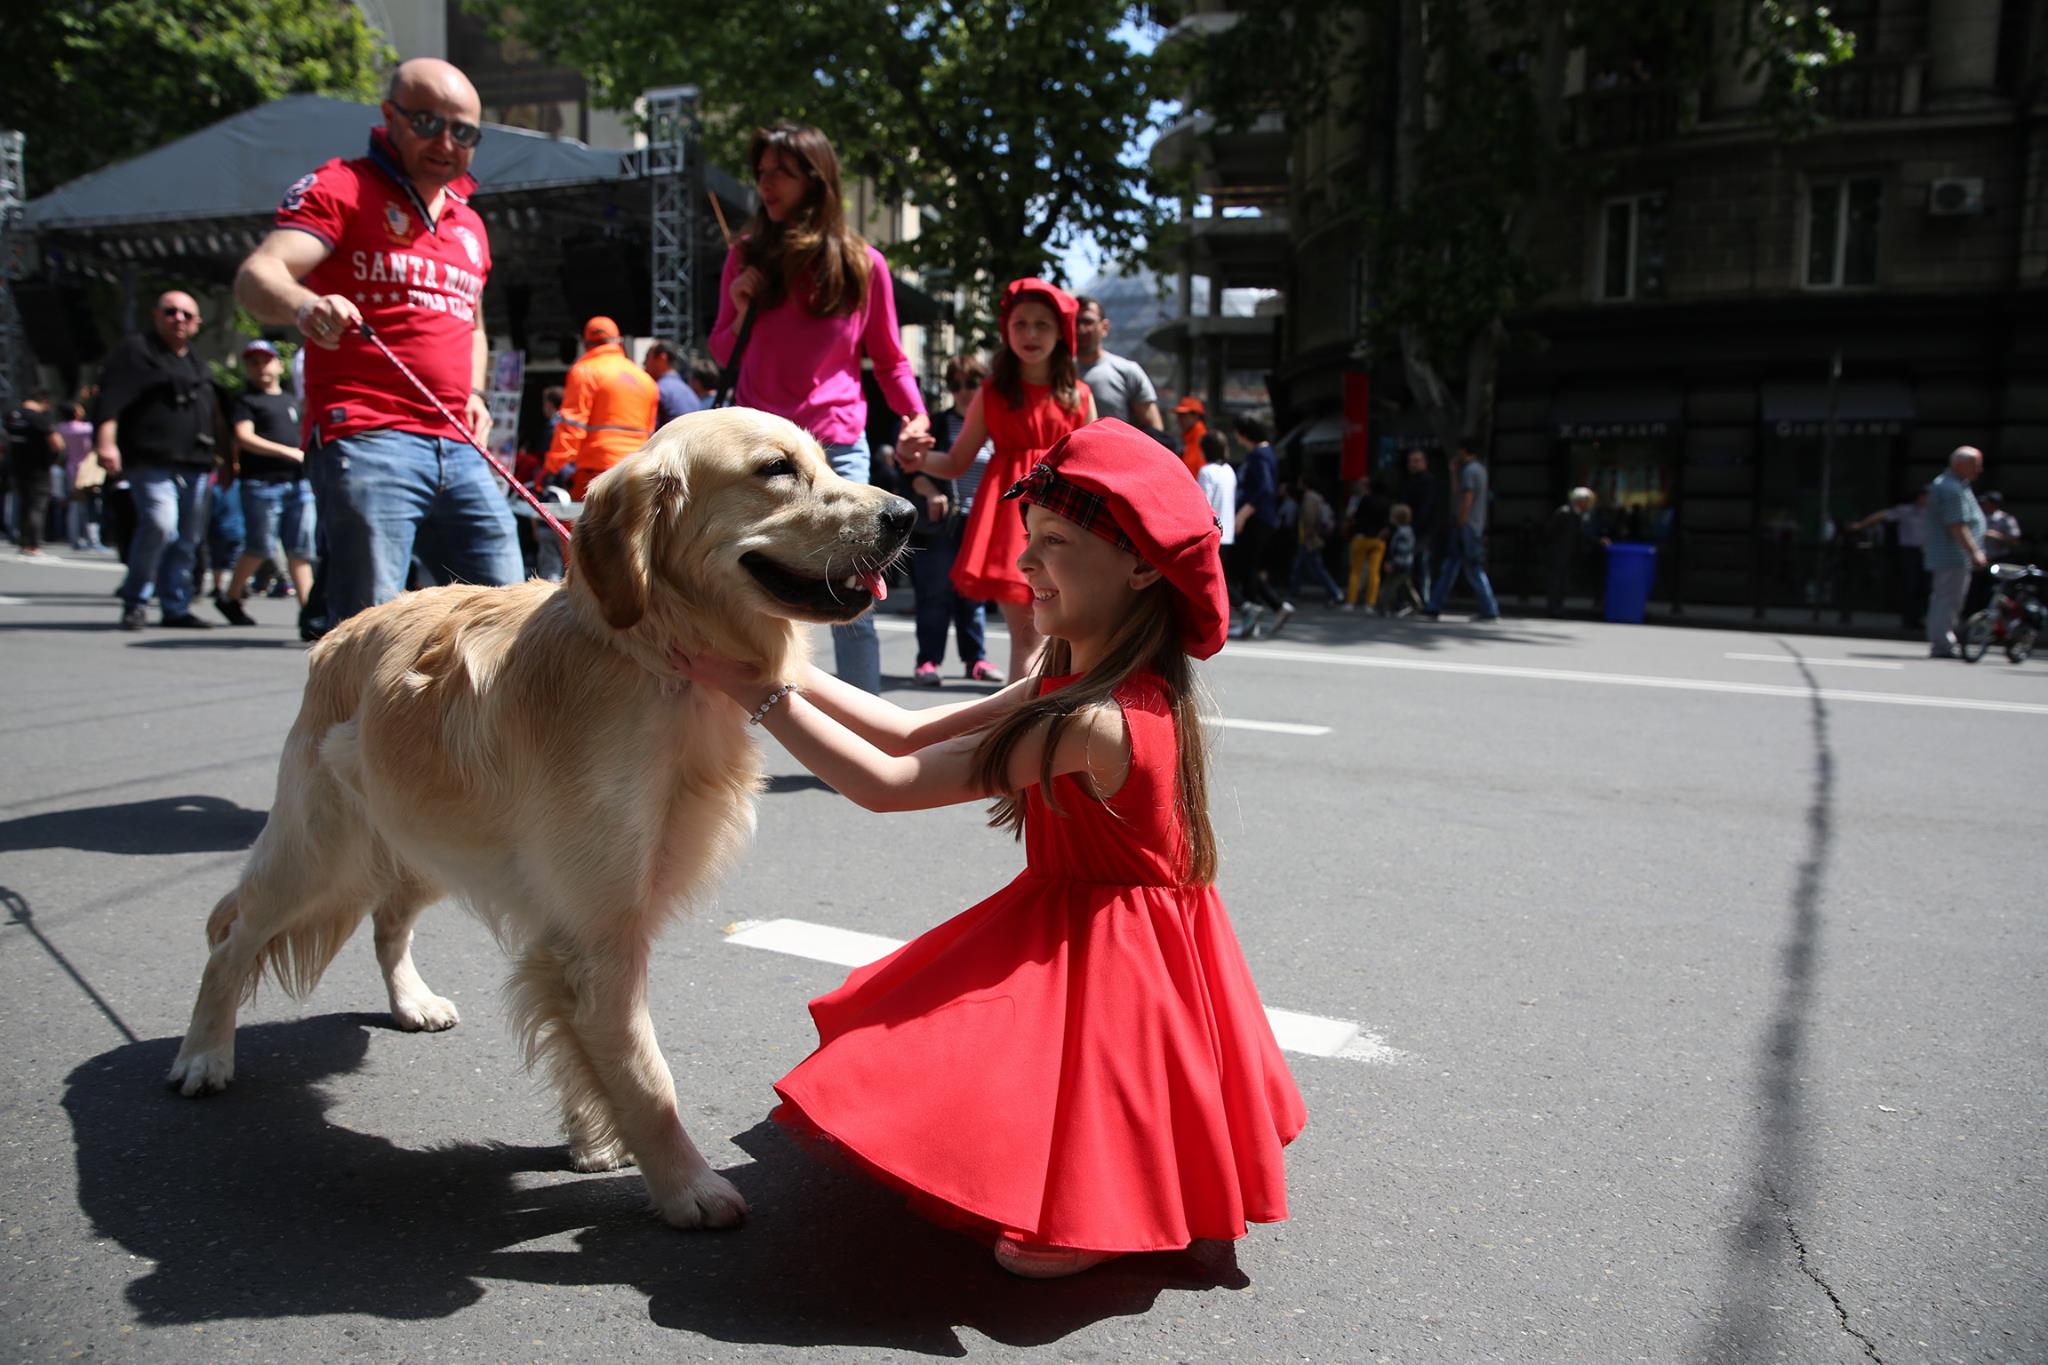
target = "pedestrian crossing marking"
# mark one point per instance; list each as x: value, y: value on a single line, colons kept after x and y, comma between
x: 1311, y: 1035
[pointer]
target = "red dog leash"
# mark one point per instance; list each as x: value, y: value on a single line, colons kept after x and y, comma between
x: 461, y: 430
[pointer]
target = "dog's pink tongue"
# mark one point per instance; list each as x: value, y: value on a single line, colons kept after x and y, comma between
x: 878, y: 589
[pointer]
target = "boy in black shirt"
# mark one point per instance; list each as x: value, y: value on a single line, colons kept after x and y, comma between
x: 277, y: 498
x: 32, y: 446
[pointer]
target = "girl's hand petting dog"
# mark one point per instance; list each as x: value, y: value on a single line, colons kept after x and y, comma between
x: 736, y: 680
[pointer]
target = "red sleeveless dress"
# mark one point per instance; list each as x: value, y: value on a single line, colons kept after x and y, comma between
x: 986, y: 566
x: 1081, y: 1059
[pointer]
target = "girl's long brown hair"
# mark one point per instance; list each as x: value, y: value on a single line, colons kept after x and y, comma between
x: 1148, y: 639
x: 814, y: 248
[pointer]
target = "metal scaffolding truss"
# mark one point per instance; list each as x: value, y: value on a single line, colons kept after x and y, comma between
x: 16, y: 366
x: 670, y: 163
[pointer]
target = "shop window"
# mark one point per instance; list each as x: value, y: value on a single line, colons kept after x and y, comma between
x: 1631, y: 473
x: 1842, y: 218
x: 1632, y: 248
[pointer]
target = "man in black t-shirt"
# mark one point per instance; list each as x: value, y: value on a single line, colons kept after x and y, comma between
x: 270, y: 468
x: 32, y: 445
x: 155, y: 423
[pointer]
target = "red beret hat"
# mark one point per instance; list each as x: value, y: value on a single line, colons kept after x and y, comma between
x: 1052, y: 296
x: 1135, y: 493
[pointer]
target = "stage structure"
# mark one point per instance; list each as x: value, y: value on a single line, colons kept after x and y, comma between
x: 670, y: 162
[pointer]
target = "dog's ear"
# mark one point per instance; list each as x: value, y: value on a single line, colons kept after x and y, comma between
x: 610, y: 544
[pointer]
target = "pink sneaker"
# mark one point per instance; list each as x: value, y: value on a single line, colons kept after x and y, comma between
x: 981, y: 670
x: 927, y: 675
x: 1046, y: 1263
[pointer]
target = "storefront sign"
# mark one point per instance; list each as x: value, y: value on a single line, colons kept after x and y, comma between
x: 1820, y: 428
x: 1612, y: 431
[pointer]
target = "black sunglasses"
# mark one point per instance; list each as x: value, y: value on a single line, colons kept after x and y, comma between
x: 427, y: 126
x: 179, y: 313
x: 955, y: 385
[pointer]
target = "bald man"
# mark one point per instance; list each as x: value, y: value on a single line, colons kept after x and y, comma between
x: 389, y: 239
x: 155, y: 426
x: 1954, y: 546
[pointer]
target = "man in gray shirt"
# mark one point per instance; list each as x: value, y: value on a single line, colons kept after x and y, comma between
x: 1465, y: 551
x: 1121, y: 387
x: 1954, y: 547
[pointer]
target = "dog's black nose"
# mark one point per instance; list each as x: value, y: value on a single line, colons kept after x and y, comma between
x: 897, y: 517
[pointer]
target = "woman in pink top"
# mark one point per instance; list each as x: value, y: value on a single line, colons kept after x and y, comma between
x: 825, y: 298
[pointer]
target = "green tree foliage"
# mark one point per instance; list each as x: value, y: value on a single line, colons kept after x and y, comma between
x: 1474, y: 141
x: 1012, y: 123
x: 94, y: 81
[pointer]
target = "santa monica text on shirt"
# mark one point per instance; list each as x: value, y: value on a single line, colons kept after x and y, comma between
x: 422, y: 273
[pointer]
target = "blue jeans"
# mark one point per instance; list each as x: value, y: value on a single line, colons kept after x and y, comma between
x: 1464, y: 553
x: 939, y: 606
x: 225, y: 530
x: 277, y: 514
x: 170, y: 518
x: 1308, y: 561
x: 856, y: 650
x: 384, y: 495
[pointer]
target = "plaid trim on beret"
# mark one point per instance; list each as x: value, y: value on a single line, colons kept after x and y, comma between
x: 1089, y: 511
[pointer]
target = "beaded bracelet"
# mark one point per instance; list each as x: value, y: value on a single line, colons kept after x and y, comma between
x: 761, y: 711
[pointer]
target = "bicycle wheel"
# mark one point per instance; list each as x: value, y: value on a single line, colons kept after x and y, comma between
x: 2020, y: 645
x: 1975, y: 636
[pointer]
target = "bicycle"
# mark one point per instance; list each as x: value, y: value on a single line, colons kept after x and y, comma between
x: 2013, y: 618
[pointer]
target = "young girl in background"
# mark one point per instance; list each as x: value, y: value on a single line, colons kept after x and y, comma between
x: 1078, y: 1066
x: 1033, y: 397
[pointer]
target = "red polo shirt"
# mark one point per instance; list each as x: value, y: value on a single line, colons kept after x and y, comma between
x: 415, y: 279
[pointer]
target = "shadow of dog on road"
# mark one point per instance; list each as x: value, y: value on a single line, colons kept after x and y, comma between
x: 254, y: 1205
x: 168, y: 824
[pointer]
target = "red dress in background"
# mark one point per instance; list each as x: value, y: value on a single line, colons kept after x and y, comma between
x: 986, y: 566
x: 1081, y: 1059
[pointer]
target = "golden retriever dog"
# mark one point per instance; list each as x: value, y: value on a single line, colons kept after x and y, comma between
x: 529, y: 751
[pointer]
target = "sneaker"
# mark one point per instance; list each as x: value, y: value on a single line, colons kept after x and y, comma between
x: 981, y: 670
x: 233, y: 611
x: 1252, y: 612
x: 1046, y: 1263
x: 1348, y: 606
x: 134, y: 618
x: 927, y: 675
x: 1280, y: 620
x: 185, y: 620
x: 1486, y: 620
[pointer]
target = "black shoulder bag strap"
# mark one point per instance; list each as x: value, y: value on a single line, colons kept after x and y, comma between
x: 729, y: 377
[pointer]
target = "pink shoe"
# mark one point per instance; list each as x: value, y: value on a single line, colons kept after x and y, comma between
x: 1046, y: 1263
x: 981, y: 670
x: 927, y: 675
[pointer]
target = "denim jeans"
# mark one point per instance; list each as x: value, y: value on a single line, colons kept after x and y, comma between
x: 939, y: 606
x: 856, y: 650
x: 277, y: 514
x: 170, y: 518
x: 1306, y: 562
x: 384, y: 495
x: 1464, y: 553
x: 225, y: 530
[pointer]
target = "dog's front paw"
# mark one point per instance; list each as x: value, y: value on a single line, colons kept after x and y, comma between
x: 424, y: 1014
x: 709, y: 1201
x: 602, y: 1156
x: 203, y: 1073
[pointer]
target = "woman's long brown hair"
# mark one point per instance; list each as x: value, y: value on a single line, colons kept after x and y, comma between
x: 1148, y: 639
x: 814, y: 248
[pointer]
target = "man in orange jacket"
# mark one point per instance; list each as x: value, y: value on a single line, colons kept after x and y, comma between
x: 1192, y: 430
x: 607, y: 408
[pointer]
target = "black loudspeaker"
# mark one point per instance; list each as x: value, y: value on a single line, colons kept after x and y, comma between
x: 608, y: 276
x: 58, y: 321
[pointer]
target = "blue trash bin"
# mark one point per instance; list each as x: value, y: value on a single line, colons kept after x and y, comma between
x: 1630, y: 571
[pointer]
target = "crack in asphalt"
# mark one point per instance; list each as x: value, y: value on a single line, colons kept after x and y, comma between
x: 1806, y: 1268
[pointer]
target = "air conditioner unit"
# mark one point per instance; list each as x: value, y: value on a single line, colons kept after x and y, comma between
x: 1955, y: 197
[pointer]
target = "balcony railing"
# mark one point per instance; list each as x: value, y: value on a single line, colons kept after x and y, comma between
x: 1624, y: 116
x: 1868, y: 89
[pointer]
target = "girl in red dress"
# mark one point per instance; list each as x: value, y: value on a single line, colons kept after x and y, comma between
x: 1078, y: 1066
x: 1034, y: 396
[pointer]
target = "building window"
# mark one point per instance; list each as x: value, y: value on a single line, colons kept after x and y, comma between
x: 1841, y: 232
x: 1632, y: 248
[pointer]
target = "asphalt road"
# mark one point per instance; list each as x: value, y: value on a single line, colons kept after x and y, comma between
x: 1699, y: 978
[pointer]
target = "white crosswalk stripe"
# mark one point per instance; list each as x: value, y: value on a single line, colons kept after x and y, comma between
x: 1309, y: 1034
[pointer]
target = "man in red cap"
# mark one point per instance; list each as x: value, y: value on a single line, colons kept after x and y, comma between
x: 608, y: 408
